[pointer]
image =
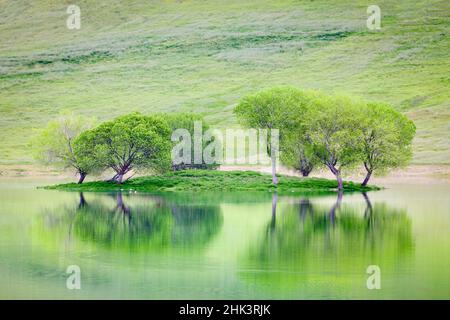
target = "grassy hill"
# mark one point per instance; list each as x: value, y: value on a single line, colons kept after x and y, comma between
x: 202, y: 56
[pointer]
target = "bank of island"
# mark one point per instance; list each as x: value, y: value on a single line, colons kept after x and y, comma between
x: 214, y: 180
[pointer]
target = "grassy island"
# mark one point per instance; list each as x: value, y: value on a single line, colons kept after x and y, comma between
x: 212, y: 180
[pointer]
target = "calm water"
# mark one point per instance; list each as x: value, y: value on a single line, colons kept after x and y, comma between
x: 223, y: 246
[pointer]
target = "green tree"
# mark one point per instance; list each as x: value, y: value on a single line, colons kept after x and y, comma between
x: 54, y: 143
x: 387, y: 137
x: 130, y: 142
x: 271, y: 109
x: 295, y: 153
x: 333, y: 132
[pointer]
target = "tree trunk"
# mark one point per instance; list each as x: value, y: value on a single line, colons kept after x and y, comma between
x: 305, y: 166
x: 119, y: 178
x: 274, y: 167
x: 340, y: 183
x: 82, y: 176
x: 367, y: 178
x: 337, y: 174
x: 113, y: 179
x: 305, y: 172
x: 121, y: 172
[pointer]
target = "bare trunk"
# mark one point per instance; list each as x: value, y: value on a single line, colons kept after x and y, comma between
x: 120, y: 173
x: 337, y: 174
x: 340, y: 183
x: 367, y: 178
x: 113, y: 179
x: 119, y: 178
x: 305, y: 172
x: 274, y: 167
x: 305, y: 166
x: 82, y: 176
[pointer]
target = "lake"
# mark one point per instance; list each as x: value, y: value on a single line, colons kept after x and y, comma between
x: 225, y: 245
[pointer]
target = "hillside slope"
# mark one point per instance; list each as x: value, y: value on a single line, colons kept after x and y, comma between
x: 202, y: 56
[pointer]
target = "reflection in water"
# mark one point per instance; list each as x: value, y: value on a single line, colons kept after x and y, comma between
x: 153, y: 223
x: 225, y: 245
x: 304, y: 240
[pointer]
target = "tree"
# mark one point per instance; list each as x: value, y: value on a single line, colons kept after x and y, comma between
x: 333, y: 132
x: 272, y: 109
x: 387, y: 136
x: 54, y: 144
x: 130, y: 142
x: 187, y: 120
x: 295, y: 153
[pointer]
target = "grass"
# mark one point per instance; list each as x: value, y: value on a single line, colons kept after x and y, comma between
x: 211, y: 180
x: 203, y: 56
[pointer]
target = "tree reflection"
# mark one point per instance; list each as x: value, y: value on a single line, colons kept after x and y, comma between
x: 150, y: 222
x: 274, y: 211
x: 82, y: 201
x: 311, y: 240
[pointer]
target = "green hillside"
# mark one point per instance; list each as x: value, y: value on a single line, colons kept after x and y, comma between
x: 202, y: 56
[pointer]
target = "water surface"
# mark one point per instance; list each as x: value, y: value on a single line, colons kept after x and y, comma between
x: 224, y: 245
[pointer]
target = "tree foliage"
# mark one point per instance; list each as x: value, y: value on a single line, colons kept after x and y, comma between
x: 54, y: 143
x: 342, y: 133
x: 295, y: 153
x: 130, y: 142
x: 332, y: 132
x: 271, y: 109
x: 387, y: 136
x: 314, y: 130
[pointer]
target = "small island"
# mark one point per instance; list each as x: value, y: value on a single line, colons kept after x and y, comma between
x: 303, y: 130
x: 214, y: 180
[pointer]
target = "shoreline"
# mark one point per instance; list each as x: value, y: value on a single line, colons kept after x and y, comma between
x: 216, y: 180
